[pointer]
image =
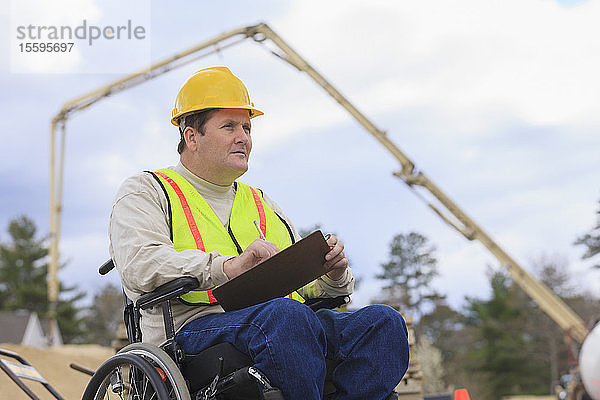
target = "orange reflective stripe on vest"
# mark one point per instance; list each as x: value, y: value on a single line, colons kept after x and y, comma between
x: 195, y: 297
x: 187, y: 211
x: 261, y: 212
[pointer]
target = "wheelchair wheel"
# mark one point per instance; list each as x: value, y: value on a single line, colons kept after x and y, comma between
x: 175, y: 383
x: 126, y: 377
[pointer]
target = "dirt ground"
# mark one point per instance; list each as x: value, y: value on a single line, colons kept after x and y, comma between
x: 53, y: 365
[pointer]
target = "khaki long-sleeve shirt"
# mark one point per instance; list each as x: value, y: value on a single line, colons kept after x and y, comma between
x: 145, y: 257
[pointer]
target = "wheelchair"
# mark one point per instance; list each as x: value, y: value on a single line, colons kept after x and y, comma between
x: 142, y: 371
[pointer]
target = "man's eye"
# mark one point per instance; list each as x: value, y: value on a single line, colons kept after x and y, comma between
x: 247, y: 129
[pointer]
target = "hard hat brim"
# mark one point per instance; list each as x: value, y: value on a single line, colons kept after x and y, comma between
x: 254, y: 112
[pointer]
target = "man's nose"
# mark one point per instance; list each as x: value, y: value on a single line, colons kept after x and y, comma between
x: 241, y: 135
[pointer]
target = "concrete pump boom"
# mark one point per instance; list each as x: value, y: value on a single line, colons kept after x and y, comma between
x: 551, y: 304
x: 543, y: 296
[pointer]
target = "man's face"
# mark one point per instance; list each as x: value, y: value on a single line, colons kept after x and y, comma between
x: 221, y: 155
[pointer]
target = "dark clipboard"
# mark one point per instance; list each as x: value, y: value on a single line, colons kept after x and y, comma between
x: 280, y: 275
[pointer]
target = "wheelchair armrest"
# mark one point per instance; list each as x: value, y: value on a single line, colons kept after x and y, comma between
x: 168, y: 291
x: 327, y: 302
x: 106, y: 267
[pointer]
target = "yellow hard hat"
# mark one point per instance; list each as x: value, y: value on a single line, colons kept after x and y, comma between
x: 214, y: 87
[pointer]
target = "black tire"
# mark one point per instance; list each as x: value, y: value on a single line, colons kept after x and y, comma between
x: 126, y: 377
x: 175, y: 383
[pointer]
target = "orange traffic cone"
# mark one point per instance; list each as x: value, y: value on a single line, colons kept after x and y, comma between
x: 461, y: 394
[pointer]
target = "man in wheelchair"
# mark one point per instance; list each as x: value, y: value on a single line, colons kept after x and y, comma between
x: 195, y: 219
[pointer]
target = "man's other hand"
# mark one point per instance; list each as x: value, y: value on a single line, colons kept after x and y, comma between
x: 258, y: 251
x: 335, y: 261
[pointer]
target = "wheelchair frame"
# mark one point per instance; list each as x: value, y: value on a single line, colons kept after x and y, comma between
x: 159, y: 369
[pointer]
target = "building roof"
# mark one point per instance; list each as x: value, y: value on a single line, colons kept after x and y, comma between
x: 24, y: 327
x: 13, y: 325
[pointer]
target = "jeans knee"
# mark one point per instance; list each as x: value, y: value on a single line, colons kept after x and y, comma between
x: 291, y: 312
x: 392, y: 330
x: 387, y: 318
x: 289, y: 321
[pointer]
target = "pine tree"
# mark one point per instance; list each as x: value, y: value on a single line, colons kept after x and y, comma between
x: 591, y: 240
x: 408, y: 274
x: 23, y: 270
x: 504, y: 349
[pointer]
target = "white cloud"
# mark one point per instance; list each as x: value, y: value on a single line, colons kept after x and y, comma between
x: 58, y: 12
x: 532, y: 59
x: 83, y: 254
x: 138, y: 142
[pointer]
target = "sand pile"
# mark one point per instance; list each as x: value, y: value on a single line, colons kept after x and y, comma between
x: 53, y: 365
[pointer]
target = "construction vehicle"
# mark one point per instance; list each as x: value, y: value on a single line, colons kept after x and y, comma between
x: 571, y: 324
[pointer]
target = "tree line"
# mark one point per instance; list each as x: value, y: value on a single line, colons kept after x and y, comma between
x: 23, y: 286
x: 504, y: 345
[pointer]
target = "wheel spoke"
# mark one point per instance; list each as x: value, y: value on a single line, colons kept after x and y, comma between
x: 128, y: 377
x: 175, y: 384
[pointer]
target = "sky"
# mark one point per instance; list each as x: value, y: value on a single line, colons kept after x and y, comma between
x: 497, y: 102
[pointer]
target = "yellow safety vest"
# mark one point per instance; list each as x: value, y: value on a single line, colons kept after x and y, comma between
x: 194, y: 225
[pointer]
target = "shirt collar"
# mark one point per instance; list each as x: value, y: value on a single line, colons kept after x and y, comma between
x: 198, y: 182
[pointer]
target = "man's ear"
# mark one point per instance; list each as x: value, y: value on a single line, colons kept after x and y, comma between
x: 191, y: 138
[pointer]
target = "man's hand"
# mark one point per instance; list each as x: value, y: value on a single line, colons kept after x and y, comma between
x: 257, y: 252
x: 335, y: 261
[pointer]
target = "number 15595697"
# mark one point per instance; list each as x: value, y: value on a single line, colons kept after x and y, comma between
x: 34, y: 47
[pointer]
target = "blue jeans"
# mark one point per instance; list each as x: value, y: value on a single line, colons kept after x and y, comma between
x: 289, y: 342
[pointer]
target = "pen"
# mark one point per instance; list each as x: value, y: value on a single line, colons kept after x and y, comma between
x: 259, y: 231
